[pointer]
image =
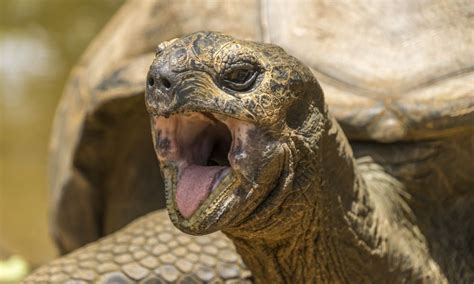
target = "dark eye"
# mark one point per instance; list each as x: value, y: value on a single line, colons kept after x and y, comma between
x: 240, y: 78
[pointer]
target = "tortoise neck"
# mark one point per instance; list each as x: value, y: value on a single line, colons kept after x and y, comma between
x: 288, y: 260
x: 335, y: 220
x: 301, y: 242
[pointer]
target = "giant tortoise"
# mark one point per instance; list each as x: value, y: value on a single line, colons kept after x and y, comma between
x: 247, y: 146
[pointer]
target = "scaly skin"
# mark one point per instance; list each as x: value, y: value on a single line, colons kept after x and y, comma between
x: 297, y: 205
x: 150, y: 250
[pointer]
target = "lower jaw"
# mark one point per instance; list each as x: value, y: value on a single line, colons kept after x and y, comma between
x: 213, y: 214
x: 234, y: 200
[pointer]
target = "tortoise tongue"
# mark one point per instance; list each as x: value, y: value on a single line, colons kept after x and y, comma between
x: 194, y: 186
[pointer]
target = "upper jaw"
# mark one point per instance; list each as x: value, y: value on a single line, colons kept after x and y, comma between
x: 188, y: 98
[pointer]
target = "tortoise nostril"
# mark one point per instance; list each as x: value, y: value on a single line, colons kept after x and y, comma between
x: 166, y: 83
x: 151, y: 81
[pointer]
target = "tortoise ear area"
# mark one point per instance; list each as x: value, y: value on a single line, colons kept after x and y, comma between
x: 307, y: 96
x: 297, y: 114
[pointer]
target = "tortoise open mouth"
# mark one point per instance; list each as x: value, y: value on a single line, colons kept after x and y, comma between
x: 200, y: 148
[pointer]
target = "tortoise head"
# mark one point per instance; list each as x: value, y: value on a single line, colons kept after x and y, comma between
x: 223, y: 114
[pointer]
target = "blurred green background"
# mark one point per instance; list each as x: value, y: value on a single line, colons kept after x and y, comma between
x: 40, y: 40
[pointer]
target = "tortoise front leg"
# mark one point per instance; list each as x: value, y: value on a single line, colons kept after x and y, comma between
x: 150, y: 250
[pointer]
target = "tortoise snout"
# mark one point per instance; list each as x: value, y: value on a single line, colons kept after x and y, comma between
x: 160, y: 90
x: 160, y: 78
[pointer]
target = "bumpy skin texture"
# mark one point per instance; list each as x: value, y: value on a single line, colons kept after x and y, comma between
x: 150, y: 250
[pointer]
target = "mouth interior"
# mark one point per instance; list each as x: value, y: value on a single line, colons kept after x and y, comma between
x: 203, y: 144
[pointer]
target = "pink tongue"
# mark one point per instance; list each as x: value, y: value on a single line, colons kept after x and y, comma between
x: 194, y: 186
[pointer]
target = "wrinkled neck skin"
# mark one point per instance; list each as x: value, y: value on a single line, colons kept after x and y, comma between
x: 321, y: 223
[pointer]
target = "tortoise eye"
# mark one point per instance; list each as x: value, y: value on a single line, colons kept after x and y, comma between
x: 241, y: 78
